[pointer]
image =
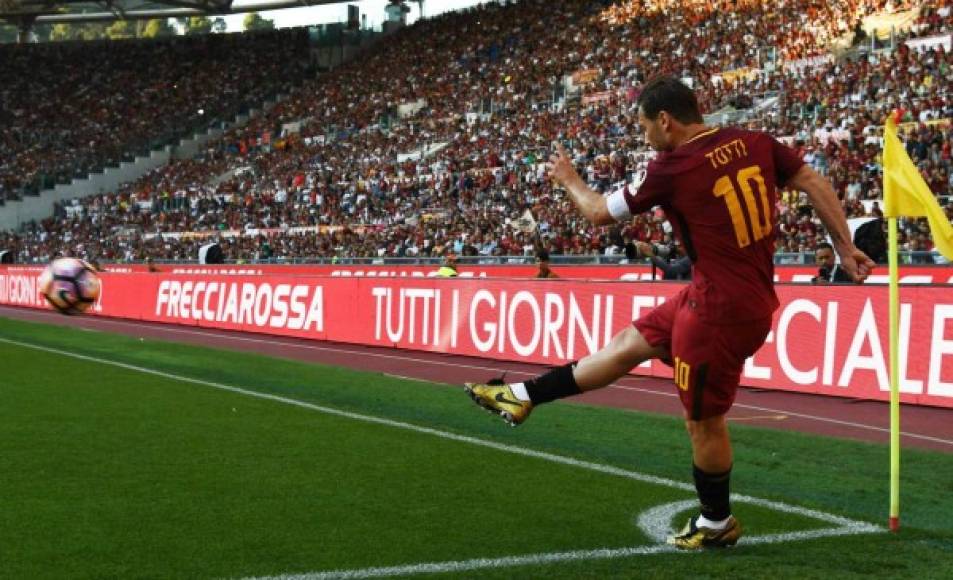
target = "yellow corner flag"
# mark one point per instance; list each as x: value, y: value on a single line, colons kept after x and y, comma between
x: 907, y: 194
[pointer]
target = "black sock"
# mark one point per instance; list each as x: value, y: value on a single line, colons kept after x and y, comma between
x: 712, y: 491
x: 554, y: 384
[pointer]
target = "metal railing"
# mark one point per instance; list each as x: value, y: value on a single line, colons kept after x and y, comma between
x: 800, y: 259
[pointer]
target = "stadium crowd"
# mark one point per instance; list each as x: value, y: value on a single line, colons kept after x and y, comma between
x: 70, y: 108
x: 340, y: 168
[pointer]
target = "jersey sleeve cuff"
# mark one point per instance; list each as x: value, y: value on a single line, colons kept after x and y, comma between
x: 617, y: 204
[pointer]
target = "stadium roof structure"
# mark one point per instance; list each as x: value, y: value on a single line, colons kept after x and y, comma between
x: 28, y: 12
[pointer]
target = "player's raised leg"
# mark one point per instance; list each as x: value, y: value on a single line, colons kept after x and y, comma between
x: 513, y: 402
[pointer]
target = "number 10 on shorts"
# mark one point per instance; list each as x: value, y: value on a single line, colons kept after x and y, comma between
x: 682, y: 372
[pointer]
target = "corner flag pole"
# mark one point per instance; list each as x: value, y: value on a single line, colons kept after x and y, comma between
x: 905, y: 194
x: 894, y: 377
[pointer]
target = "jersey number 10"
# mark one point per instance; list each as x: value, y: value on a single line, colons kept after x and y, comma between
x: 760, y: 223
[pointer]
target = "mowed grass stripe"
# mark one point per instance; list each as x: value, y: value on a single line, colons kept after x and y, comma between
x: 605, y: 469
x: 833, y: 475
x: 146, y: 476
x: 348, y: 447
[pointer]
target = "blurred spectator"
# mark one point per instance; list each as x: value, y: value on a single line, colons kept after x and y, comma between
x: 542, y: 263
x: 449, y: 267
x: 676, y: 265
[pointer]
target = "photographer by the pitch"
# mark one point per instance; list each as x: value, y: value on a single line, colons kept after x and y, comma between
x: 828, y: 271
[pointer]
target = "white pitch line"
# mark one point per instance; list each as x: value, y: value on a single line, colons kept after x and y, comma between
x: 656, y: 523
x: 848, y: 526
x: 759, y: 418
x: 284, y: 342
x: 476, y: 564
x: 840, y: 422
x: 542, y: 559
x: 415, y: 379
x: 819, y: 419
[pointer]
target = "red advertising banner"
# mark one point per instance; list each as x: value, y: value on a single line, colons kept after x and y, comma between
x: 825, y: 339
x: 635, y: 272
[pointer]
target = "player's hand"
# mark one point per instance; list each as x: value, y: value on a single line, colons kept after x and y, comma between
x: 857, y: 264
x: 645, y: 249
x: 561, y: 170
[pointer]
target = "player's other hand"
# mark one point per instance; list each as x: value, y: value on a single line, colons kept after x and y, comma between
x: 561, y: 170
x: 647, y: 250
x: 857, y: 264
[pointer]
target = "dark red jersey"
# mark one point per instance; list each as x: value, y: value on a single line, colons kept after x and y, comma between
x: 719, y: 192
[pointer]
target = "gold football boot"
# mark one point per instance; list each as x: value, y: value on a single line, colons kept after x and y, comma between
x: 496, y: 397
x: 693, y: 537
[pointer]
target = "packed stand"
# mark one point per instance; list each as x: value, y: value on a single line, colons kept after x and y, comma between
x: 70, y: 108
x: 338, y: 181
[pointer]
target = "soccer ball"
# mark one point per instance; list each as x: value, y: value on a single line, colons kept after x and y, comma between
x: 70, y: 285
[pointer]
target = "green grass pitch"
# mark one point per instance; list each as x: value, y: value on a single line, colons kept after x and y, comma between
x: 108, y: 471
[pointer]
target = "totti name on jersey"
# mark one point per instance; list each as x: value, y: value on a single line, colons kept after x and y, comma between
x: 725, y: 154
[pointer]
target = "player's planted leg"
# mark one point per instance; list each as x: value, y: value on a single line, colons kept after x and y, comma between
x: 712, y: 457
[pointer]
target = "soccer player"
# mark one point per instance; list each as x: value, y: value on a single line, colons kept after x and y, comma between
x: 718, y: 188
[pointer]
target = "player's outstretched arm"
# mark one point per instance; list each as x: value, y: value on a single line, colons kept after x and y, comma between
x: 591, y: 204
x: 828, y: 208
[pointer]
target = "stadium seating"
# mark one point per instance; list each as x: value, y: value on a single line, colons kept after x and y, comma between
x: 70, y: 108
x: 332, y: 167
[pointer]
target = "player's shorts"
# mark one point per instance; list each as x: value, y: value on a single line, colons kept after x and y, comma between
x: 707, y: 358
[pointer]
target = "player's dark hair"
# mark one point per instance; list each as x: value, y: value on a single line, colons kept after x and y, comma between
x: 666, y: 93
x: 824, y: 246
